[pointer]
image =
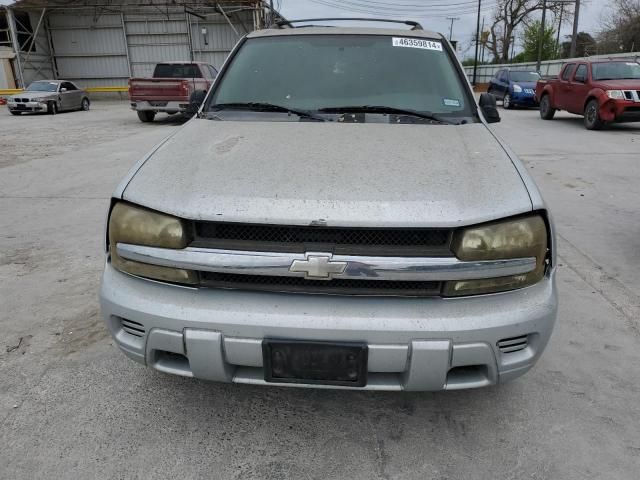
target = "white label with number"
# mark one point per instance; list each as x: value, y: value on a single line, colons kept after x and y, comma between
x: 416, y: 43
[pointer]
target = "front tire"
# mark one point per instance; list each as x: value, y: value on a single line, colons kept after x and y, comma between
x: 52, y: 108
x: 592, y: 120
x: 146, y: 116
x: 546, y: 110
x: 506, y: 102
x: 85, y: 104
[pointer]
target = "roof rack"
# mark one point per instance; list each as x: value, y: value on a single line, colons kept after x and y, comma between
x: 289, y: 23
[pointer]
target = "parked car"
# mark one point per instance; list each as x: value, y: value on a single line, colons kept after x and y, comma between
x: 170, y: 88
x: 49, y: 96
x: 516, y: 88
x: 602, y: 91
x: 338, y: 213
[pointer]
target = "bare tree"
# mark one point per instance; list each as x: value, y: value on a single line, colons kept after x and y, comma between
x: 508, y: 16
x: 621, y: 29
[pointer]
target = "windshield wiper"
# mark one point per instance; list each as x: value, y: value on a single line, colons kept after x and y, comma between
x: 389, y: 110
x: 266, y: 107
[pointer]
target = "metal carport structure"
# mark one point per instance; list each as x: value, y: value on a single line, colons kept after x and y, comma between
x: 101, y: 43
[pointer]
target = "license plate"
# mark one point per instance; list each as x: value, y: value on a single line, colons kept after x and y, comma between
x: 320, y: 363
x: 20, y: 106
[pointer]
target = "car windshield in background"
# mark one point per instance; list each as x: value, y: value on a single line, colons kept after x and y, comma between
x: 524, y: 76
x: 616, y: 71
x: 43, y: 87
x: 169, y: 70
x: 325, y: 72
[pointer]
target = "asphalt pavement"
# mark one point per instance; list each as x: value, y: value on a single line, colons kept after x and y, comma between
x: 72, y: 406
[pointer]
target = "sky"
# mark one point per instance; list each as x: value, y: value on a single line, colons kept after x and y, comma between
x: 432, y: 14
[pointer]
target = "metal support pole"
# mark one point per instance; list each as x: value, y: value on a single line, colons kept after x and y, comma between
x: 574, y: 37
x: 541, y: 34
x: 475, y: 62
x: 219, y: 8
x: 126, y: 44
x: 16, y: 46
x: 188, y: 22
x: 34, y: 35
x: 52, y: 54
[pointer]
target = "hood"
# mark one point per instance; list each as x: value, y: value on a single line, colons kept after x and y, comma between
x: 31, y: 95
x: 335, y: 174
x: 626, y: 84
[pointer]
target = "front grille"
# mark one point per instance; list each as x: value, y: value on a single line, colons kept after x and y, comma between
x: 510, y: 345
x: 628, y: 95
x: 328, y: 287
x: 132, y: 328
x: 351, y: 241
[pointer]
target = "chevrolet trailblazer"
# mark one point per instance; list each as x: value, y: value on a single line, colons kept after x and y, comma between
x: 338, y: 214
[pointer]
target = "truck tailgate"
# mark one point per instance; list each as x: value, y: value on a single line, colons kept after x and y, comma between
x: 159, y: 89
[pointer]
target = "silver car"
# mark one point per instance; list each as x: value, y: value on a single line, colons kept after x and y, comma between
x: 339, y: 214
x: 49, y: 96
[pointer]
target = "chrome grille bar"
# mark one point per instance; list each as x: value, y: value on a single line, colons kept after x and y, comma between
x: 325, y: 266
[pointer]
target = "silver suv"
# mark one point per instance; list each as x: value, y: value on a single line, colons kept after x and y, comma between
x: 338, y: 214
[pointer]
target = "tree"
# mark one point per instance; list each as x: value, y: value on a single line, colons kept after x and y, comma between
x: 508, y: 16
x: 585, y: 46
x: 530, y: 41
x: 621, y: 30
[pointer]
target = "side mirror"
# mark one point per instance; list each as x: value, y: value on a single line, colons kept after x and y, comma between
x: 63, y: 89
x: 195, y: 101
x: 489, y: 109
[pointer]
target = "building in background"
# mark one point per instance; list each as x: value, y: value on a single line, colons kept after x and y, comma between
x: 99, y: 44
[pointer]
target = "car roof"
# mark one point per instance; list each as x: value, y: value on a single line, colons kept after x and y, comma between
x: 328, y: 30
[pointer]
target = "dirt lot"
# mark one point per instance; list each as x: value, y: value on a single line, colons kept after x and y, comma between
x: 72, y: 406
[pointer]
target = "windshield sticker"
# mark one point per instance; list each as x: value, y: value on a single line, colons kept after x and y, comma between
x: 416, y: 43
x: 450, y: 102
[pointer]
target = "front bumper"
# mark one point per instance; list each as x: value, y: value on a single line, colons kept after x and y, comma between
x: 26, y: 106
x: 524, y: 99
x: 414, y: 343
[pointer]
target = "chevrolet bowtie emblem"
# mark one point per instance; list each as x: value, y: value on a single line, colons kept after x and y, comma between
x: 318, y: 267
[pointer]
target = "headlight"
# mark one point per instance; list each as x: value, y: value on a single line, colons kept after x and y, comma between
x: 139, y: 226
x: 39, y: 99
x: 616, y: 94
x: 519, y: 238
x: 517, y: 88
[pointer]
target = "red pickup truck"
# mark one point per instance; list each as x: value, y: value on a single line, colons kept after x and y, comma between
x: 170, y: 88
x: 603, y: 91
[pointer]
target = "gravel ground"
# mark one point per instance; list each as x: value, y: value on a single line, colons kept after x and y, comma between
x: 72, y: 406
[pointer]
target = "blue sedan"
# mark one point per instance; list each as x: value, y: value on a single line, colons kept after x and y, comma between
x: 516, y: 88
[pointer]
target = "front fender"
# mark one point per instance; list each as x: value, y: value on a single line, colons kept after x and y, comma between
x: 607, y: 106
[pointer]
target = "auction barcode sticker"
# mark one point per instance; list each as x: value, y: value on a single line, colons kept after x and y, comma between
x: 416, y: 43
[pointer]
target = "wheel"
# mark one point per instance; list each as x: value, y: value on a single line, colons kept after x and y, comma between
x: 13, y: 112
x: 52, y: 108
x: 146, y: 116
x: 506, y: 102
x: 546, y: 110
x: 85, y: 104
x: 592, y: 118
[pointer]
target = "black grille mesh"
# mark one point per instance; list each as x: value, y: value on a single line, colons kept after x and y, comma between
x: 336, y: 286
x: 336, y: 236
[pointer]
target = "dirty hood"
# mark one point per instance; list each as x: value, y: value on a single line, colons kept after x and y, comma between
x: 301, y: 173
x: 33, y: 94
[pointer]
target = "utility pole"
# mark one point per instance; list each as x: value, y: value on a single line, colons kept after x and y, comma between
x: 574, y: 37
x: 475, y: 62
x: 272, y: 17
x: 484, y: 44
x: 453, y: 19
x: 541, y: 35
x: 559, y: 28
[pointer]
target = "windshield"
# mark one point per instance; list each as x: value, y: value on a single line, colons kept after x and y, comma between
x: 524, y: 76
x: 615, y: 70
x: 313, y: 72
x: 169, y: 70
x: 43, y: 87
